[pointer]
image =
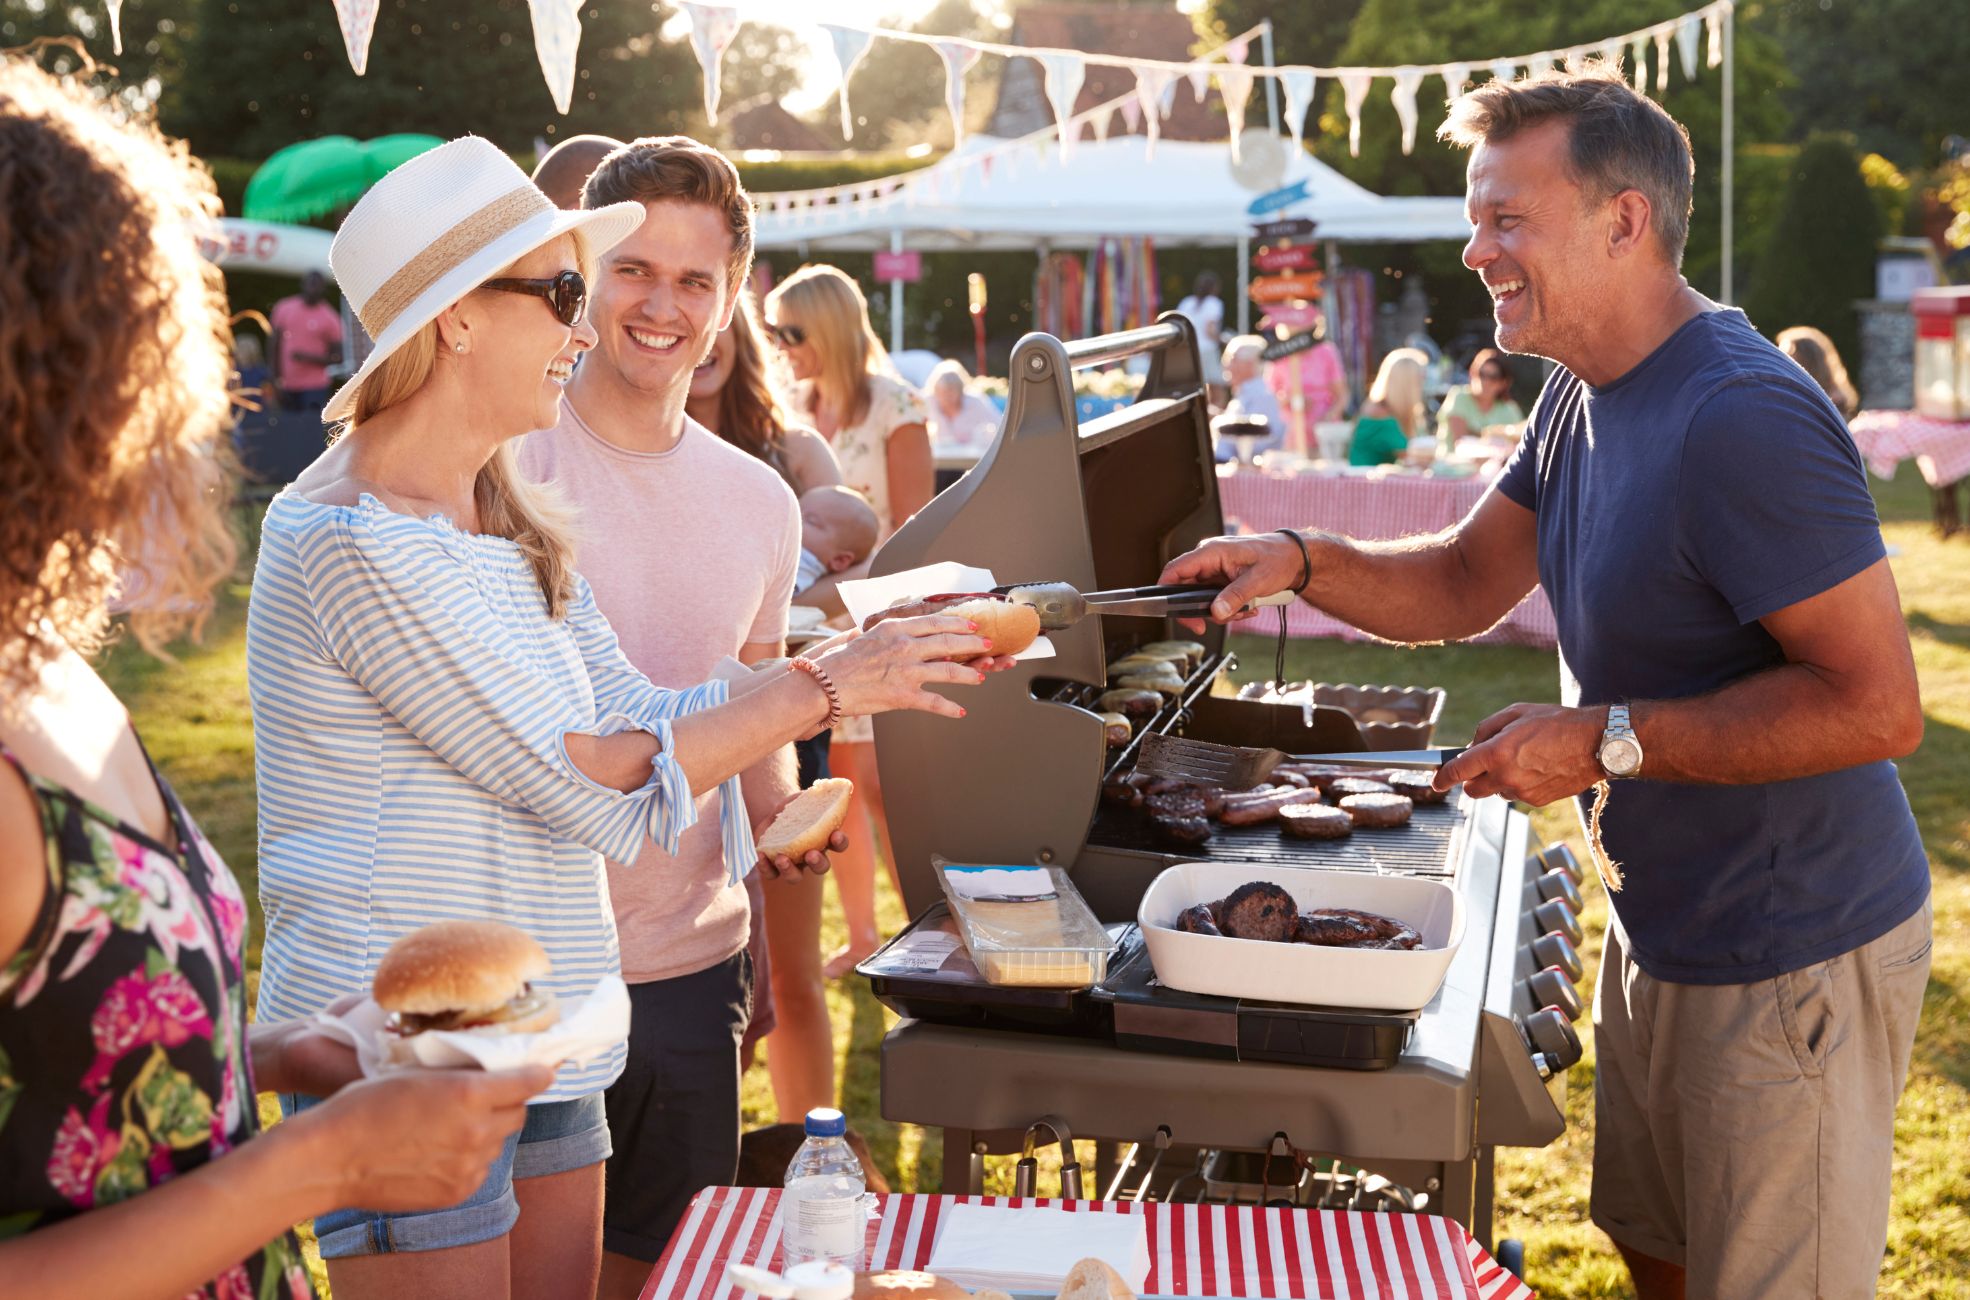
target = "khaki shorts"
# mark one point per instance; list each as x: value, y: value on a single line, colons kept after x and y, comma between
x: 1747, y: 1131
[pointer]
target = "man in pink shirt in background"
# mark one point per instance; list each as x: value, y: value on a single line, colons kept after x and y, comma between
x: 691, y: 547
x: 306, y: 341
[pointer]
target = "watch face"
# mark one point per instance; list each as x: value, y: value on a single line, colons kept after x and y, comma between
x: 1621, y: 757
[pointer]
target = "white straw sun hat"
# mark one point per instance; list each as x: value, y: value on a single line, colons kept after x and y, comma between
x: 435, y: 229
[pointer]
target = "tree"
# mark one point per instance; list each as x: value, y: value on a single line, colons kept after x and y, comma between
x: 261, y: 74
x: 155, y: 34
x: 1889, y: 71
x: 1821, y: 255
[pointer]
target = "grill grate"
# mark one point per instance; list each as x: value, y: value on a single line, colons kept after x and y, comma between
x: 1425, y: 847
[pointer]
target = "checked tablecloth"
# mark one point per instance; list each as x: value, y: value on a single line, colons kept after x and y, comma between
x: 1395, y: 505
x: 1195, y: 1250
x: 1939, y: 448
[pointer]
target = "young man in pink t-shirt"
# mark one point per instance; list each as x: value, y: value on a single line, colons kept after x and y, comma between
x: 307, y: 340
x: 691, y: 547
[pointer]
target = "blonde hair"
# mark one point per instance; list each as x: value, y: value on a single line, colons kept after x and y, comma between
x: 1399, y: 387
x: 533, y: 516
x: 830, y: 307
x: 1818, y: 357
x: 114, y: 360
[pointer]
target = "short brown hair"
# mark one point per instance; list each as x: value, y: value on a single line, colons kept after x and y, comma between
x: 114, y: 359
x: 654, y: 169
x: 1619, y: 139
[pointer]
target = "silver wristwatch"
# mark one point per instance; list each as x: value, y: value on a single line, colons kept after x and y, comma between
x: 1621, y: 749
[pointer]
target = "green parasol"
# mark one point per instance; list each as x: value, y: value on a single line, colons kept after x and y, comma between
x: 317, y: 177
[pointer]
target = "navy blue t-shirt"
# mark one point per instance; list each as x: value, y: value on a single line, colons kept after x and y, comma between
x: 1710, y: 486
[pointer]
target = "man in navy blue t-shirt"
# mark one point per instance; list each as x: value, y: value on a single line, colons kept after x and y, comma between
x: 1735, y: 668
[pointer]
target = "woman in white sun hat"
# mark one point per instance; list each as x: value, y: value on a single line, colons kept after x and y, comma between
x: 445, y: 727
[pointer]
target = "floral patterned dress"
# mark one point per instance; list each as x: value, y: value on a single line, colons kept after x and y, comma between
x: 123, y: 1058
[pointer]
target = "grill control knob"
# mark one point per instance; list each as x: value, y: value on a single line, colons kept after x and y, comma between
x: 1550, y: 1034
x: 1559, y: 857
x: 1553, y: 917
x: 1554, y: 950
x: 1551, y: 988
x: 1556, y: 884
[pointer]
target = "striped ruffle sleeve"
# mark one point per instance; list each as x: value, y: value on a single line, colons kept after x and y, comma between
x: 405, y: 618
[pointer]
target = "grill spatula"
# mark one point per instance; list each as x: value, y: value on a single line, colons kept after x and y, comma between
x: 1237, y: 768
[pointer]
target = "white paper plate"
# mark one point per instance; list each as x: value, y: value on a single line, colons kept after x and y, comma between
x: 1372, y: 979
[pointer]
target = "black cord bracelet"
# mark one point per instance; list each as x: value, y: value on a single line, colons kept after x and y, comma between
x: 1306, y: 560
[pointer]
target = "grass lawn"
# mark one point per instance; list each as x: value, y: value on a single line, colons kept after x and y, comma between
x: 194, y: 716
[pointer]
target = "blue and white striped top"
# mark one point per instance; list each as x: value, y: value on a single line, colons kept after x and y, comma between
x: 410, y: 699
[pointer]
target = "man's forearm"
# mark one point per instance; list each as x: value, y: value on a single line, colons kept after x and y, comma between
x: 1789, y: 722
x: 1413, y: 589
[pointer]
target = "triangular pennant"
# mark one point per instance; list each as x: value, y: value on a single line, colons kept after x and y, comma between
x: 1576, y: 58
x: 1456, y: 76
x: 1297, y: 85
x: 1354, y: 90
x: 1403, y: 96
x: 1238, y: 51
x: 1199, y: 78
x: 850, y: 45
x: 1235, y: 84
x: 1610, y: 51
x: 1065, y: 74
x: 1132, y: 112
x: 1150, y: 85
x: 1713, y: 22
x: 357, y: 19
x: 1504, y: 70
x: 557, y: 38
x: 1100, y: 121
x: 1687, y: 31
x: 1662, y: 60
x: 958, y: 60
x: 115, y: 8
x: 1553, y: 59
x: 1639, y: 52
x: 712, y: 30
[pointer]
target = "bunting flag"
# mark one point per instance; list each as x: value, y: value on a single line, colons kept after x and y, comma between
x: 1150, y: 85
x: 1576, y: 58
x: 115, y: 25
x: 712, y: 31
x: 1199, y: 78
x: 357, y: 18
x: 1235, y: 84
x: 557, y: 38
x: 1407, y: 81
x: 1687, y: 31
x: 1456, y: 76
x: 1610, y: 51
x: 851, y: 44
x: 1064, y: 77
x: 958, y: 60
x: 1354, y: 90
x: 1662, y: 35
x: 1132, y: 112
x: 1714, y: 21
x: 1504, y: 70
x: 1238, y: 51
x: 1297, y: 85
x: 1639, y: 52
x: 1102, y: 121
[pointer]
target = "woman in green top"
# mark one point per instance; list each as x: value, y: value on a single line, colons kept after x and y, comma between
x: 1485, y: 404
x: 1393, y: 412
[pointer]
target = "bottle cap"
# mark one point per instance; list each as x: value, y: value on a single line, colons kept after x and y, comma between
x: 821, y: 1280
x: 826, y: 1122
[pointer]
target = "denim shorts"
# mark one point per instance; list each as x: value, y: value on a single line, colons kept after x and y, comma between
x: 557, y: 1136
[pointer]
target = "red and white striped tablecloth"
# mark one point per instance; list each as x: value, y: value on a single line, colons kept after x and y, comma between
x: 1395, y: 505
x: 1195, y: 1250
x: 1939, y: 448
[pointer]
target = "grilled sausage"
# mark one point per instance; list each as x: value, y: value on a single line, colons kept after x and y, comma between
x: 1198, y: 920
x: 1347, y: 927
x: 1248, y: 811
x: 1122, y: 792
x: 1260, y: 910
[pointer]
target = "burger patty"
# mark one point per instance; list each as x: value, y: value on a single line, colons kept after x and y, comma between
x: 519, y: 1008
x: 1260, y: 910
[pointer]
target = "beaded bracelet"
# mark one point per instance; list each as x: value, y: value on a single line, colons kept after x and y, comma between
x: 801, y: 663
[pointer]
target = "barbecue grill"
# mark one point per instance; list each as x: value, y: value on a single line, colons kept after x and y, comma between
x: 1186, y: 1095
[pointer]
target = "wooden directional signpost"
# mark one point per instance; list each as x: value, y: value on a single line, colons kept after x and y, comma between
x: 1288, y: 286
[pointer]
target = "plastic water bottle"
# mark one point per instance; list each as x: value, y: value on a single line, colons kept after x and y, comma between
x: 821, y: 1214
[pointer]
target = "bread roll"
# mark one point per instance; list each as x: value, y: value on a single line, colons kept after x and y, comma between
x: 1009, y: 626
x: 901, y: 1284
x: 807, y: 823
x: 1093, y: 1279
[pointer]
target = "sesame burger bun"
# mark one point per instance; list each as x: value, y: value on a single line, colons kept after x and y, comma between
x: 810, y: 821
x: 1008, y: 625
x: 465, y: 975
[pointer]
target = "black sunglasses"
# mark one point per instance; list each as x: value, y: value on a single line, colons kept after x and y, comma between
x: 566, y: 293
x: 787, y: 336
x: 1489, y: 373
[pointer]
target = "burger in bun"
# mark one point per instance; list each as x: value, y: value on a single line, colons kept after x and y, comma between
x: 473, y: 976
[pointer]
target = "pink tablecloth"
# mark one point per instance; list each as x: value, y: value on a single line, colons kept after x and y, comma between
x: 1939, y: 448
x: 1195, y: 1250
x: 1396, y: 505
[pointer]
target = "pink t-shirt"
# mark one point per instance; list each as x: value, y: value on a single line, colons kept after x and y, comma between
x: 691, y: 554
x: 304, y: 329
x: 1322, y: 378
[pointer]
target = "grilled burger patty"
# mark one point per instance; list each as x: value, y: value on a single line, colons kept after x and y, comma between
x: 409, y: 1022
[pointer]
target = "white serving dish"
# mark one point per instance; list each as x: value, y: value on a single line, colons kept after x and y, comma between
x: 1373, y: 979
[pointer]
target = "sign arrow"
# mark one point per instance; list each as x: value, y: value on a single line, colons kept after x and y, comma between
x: 1269, y: 232
x: 1286, y: 288
x: 1293, y: 257
x: 1283, y: 197
x: 1286, y: 347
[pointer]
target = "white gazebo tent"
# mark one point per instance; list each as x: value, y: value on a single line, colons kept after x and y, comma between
x: 999, y: 195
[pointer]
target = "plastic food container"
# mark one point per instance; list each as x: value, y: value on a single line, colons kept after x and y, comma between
x: 1375, y: 979
x: 1025, y: 926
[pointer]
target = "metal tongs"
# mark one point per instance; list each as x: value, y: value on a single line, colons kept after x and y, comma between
x: 1060, y: 605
